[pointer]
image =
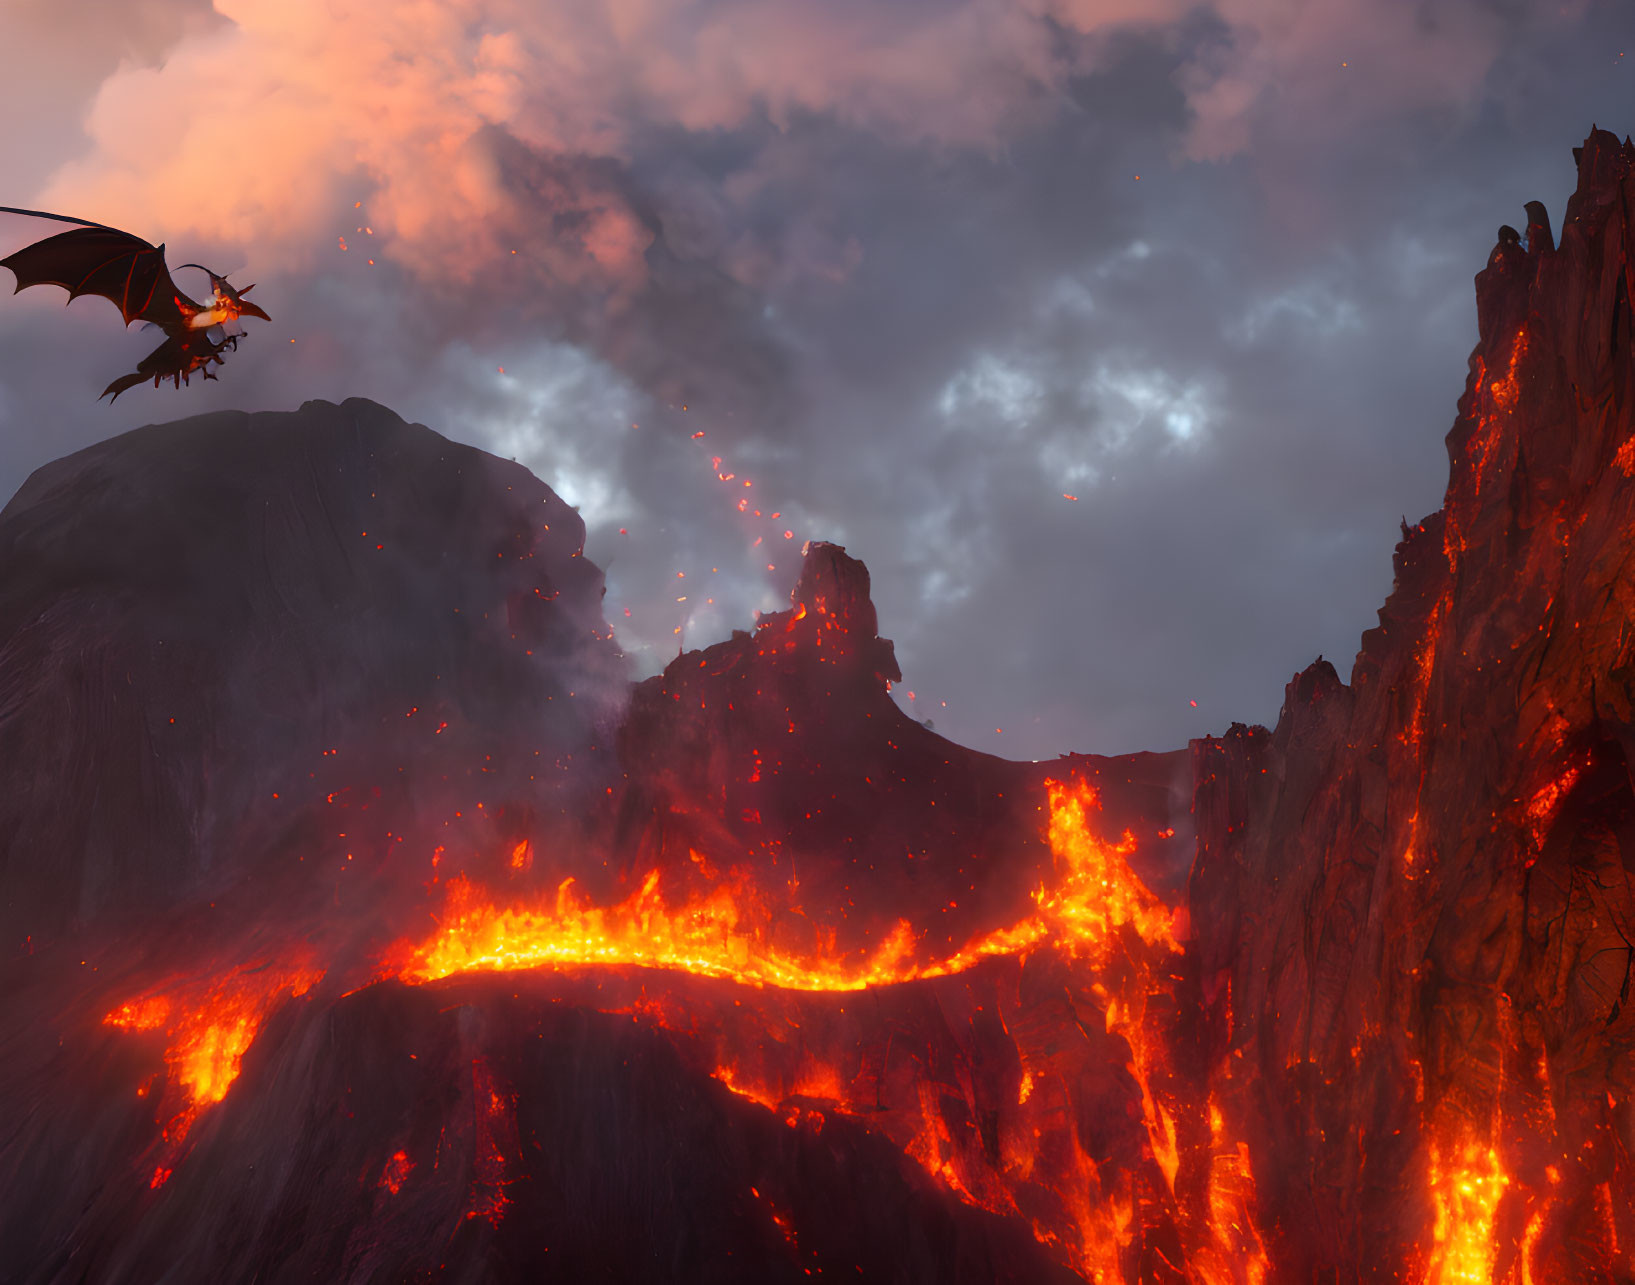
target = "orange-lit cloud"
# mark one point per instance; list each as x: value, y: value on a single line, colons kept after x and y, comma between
x: 264, y: 128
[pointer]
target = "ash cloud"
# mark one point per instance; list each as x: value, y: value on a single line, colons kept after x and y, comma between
x: 897, y: 266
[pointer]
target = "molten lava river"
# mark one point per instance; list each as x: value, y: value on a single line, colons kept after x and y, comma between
x: 798, y: 1033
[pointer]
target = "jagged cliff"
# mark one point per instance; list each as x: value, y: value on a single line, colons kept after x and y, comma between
x: 1412, y: 898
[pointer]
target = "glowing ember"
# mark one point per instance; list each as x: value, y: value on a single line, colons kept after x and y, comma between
x: 397, y: 1172
x: 1542, y: 807
x: 730, y: 1077
x: 1505, y: 389
x: 497, y: 1145
x: 140, y: 1015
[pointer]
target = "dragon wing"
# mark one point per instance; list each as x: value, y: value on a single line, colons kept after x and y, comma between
x: 115, y: 265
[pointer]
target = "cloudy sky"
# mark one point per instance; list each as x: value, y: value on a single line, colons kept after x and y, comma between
x: 1114, y: 335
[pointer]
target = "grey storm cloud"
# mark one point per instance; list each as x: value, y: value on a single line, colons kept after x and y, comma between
x: 895, y: 262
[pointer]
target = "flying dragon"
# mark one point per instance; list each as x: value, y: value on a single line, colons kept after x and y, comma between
x: 95, y: 259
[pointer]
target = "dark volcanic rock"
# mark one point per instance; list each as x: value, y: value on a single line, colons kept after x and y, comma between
x: 469, y: 1133
x: 227, y: 646
x: 1413, y: 899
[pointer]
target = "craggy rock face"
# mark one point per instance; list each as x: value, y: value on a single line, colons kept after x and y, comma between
x: 209, y: 628
x: 1413, y: 898
x: 364, y: 924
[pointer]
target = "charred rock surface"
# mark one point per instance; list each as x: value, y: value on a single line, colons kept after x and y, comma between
x: 1412, y: 898
x: 240, y: 644
x: 471, y: 1133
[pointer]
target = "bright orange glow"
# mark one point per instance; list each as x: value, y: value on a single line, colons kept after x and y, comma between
x: 1105, y: 1225
x: 934, y: 1146
x: 1541, y: 808
x: 1529, y: 1242
x: 710, y: 937
x: 1413, y: 733
x: 1466, y: 1183
x: 209, y: 1028
x: 1094, y: 910
x: 1099, y: 892
x: 729, y: 1077
x: 1507, y: 388
x: 1234, y: 1254
x: 1365, y: 1000
x: 140, y: 1015
x: 719, y: 935
x: 1502, y: 396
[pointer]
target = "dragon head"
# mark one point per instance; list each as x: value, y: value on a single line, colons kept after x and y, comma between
x: 232, y: 301
x: 226, y: 304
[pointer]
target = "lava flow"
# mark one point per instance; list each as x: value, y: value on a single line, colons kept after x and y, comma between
x: 1107, y: 931
x: 208, y: 1027
x: 717, y: 935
